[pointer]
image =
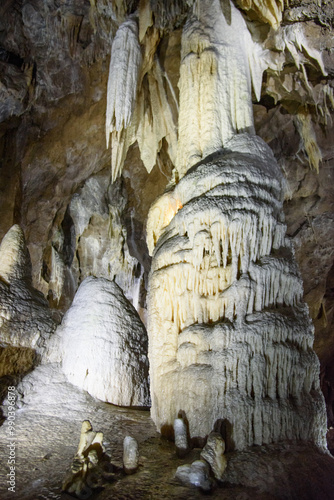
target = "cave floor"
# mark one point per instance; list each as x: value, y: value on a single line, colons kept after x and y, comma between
x: 47, y: 430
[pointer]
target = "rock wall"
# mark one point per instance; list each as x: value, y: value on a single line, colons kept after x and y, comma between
x: 26, y: 322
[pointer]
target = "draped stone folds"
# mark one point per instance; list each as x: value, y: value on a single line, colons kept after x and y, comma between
x: 229, y: 335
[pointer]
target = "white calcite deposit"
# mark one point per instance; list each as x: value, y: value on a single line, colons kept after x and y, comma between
x: 181, y: 437
x: 215, y: 83
x: 230, y: 337
x: 195, y: 474
x: 213, y: 454
x: 137, y: 105
x: 130, y: 455
x: 125, y: 64
x: 103, y: 345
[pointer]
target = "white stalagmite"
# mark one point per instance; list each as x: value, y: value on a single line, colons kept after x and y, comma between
x: 102, y: 344
x: 213, y: 454
x: 25, y: 317
x: 130, y: 455
x: 229, y: 335
x: 230, y: 338
x: 14, y: 256
x: 181, y: 437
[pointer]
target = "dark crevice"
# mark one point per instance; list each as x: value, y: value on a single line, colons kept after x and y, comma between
x: 11, y: 58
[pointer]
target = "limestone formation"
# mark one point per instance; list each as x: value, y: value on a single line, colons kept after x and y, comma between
x: 196, y: 474
x: 269, y: 11
x: 215, y: 83
x: 233, y: 339
x: 85, y: 475
x: 15, y: 260
x: 213, y: 454
x: 181, y: 437
x: 25, y: 318
x: 131, y: 116
x: 92, y: 242
x: 229, y: 335
x: 130, y: 455
x: 103, y: 345
x: 228, y: 303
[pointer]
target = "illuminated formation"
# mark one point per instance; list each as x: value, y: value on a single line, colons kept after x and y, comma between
x: 229, y: 335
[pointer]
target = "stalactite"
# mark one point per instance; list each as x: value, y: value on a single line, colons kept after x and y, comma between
x: 293, y: 39
x: 125, y: 63
x: 143, y: 115
x: 270, y: 11
x: 71, y: 24
x: 214, y: 80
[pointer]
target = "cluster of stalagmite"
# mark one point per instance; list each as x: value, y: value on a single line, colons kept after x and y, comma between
x: 230, y: 337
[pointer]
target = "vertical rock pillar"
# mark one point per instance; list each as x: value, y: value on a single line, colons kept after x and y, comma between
x: 230, y: 337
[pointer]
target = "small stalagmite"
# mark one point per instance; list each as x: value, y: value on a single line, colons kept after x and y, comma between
x: 130, y: 455
x: 213, y: 454
x: 181, y: 437
x: 84, y: 476
x: 195, y: 474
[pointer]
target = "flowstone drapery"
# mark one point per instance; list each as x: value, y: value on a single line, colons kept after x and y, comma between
x: 230, y: 337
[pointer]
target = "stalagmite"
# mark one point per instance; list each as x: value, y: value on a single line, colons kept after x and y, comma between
x: 130, y: 455
x: 14, y: 256
x: 230, y: 338
x: 213, y: 454
x: 86, y: 467
x: 196, y: 474
x: 25, y: 318
x: 181, y: 437
x: 102, y: 345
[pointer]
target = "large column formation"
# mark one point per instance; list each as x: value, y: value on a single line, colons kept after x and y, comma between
x: 230, y: 338
x: 229, y: 334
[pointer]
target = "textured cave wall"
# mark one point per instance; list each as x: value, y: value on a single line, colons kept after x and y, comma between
x: 55, y: 170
